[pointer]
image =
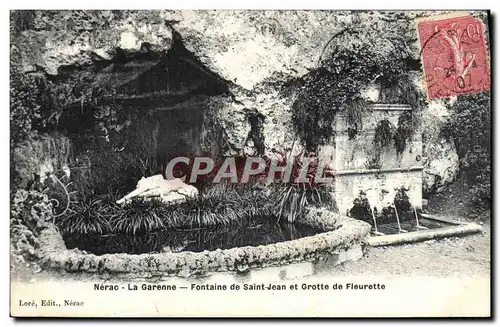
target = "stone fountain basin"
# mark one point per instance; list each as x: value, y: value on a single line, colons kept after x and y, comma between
x: 342, y: 240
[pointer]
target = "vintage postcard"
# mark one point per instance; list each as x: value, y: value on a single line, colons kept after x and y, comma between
x: 250, y: 163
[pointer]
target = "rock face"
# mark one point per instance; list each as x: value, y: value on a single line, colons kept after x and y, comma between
x: 441, y: 165
x: 244, y: 48
x: 41, y: 159
x: 440, y: 158
x: 253, y: 52
x: 250, y: 47
x: 56, y: 39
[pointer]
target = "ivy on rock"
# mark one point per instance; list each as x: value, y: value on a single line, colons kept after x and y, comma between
x: 366, y: 52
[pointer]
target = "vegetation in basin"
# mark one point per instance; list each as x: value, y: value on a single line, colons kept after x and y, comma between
x: 220, y: 204
x: 138, y: 216
x: 86, y: 217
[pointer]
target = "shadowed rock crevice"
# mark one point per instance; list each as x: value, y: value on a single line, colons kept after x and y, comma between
x: 127, y: 116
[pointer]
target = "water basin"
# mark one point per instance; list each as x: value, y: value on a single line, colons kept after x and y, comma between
x: 196, y: 239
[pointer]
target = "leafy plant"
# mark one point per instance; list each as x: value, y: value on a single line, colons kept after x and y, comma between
x: 469, y: 127
x: 400, y: 88
x: 325, y: 92
x: 384, y: 133
x: 50, y: 151
x: 139, y: 216
x: 373, y: 161
x: 21, y: 20
x: 406, y: 128
x: 361, y: 208
x: 24, y: 105
x: 221, y: 204
x: 90, y: 216
x: 365, y: 52
x: 402, y: 200
x: 292, y: 198
x: 354, y: 110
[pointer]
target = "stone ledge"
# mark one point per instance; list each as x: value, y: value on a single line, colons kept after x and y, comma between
x: 339, y: 236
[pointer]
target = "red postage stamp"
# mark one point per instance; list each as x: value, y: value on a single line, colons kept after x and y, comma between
x: 454, y: 55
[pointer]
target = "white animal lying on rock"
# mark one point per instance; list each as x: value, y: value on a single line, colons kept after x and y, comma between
x: 169, y: 191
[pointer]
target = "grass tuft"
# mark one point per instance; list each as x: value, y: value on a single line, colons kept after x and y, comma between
x: 292, y: 200
x: 90, y: 216
x: 220, y: 205
x: 139, y: 216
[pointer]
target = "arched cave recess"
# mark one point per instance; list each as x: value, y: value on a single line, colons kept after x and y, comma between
x: 138, y: 110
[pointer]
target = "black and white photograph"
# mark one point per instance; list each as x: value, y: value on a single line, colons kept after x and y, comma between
x: 250, y: 163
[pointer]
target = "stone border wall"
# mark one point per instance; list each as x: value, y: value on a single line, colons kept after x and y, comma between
x: 340, y: 234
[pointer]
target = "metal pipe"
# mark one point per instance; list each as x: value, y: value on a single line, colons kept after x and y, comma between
x: 423, y: 235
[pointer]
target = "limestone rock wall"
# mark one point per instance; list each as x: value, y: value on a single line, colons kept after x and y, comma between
x: 55, y: 39
x: 440, y: 157
x: 254, y: 52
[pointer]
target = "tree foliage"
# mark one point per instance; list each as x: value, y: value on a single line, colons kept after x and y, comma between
x: 469, y: 127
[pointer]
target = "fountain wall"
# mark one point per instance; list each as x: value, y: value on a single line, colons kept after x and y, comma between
x: 377, y: 171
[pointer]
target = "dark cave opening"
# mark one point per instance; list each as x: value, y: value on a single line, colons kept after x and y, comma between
x: 137, y: 111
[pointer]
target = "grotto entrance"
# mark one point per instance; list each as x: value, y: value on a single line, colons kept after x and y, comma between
x: 125, y: 118
x: 135, y: 110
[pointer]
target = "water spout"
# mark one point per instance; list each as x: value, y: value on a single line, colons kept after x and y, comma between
x: 371, y: 196
x: 416, y: 218
x: 397, y: 217
x: 376, y: 232
x: 413, y: 197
